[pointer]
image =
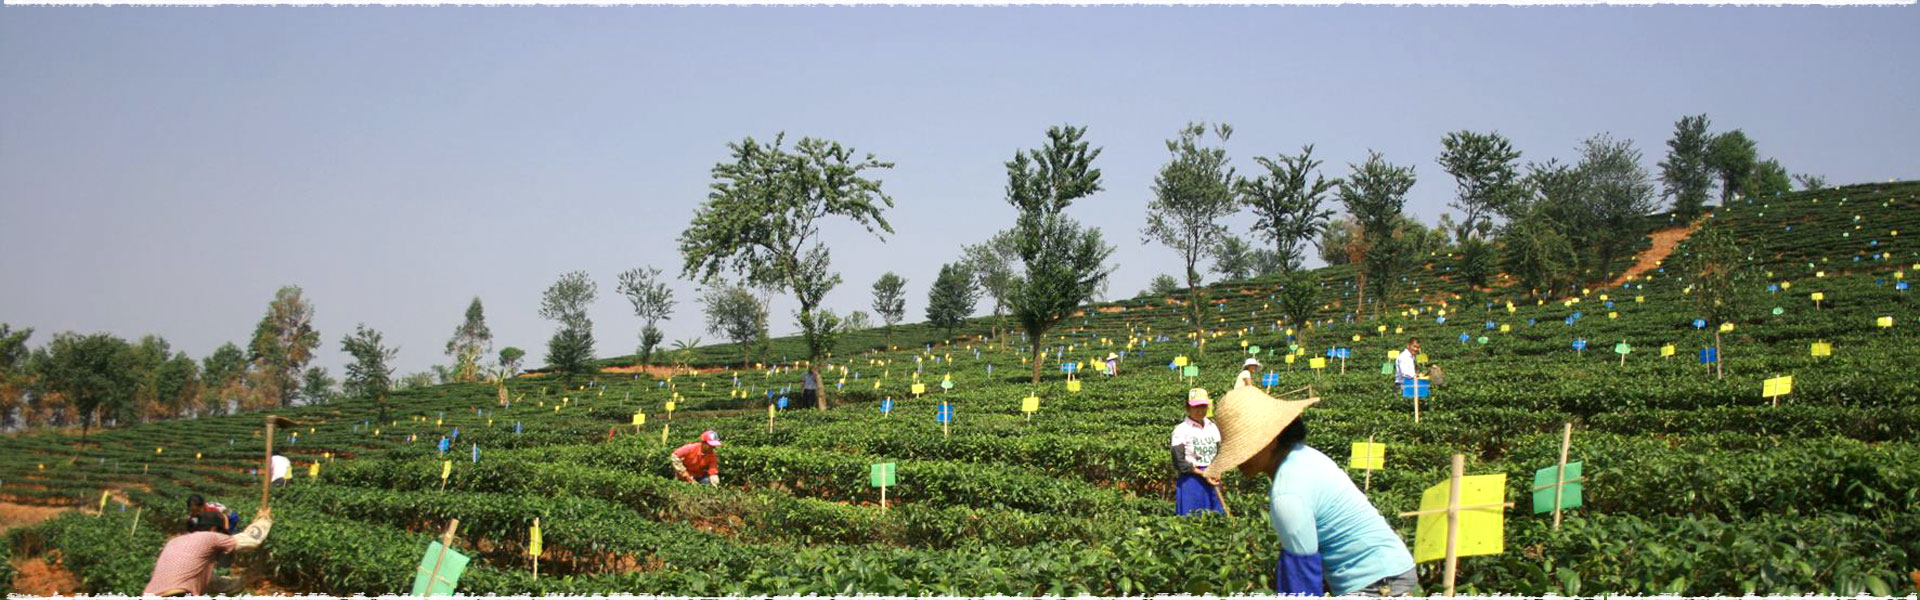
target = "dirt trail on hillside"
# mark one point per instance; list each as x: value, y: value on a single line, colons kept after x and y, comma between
x: 1663, y: 243
x: 21, y: 515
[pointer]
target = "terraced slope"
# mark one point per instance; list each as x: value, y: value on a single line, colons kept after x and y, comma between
x: 1696, y: 485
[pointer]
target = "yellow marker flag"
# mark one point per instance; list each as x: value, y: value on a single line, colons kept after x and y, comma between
x: 1393, y: 354
x: 670, y: 405
x: 1073, y: 385
x: 446, y: 468
x: 1666, y: 350
x: 1482, y: 531
x: 919, y: 388
x: 1290, y: 358
x: 639, y: 419
x: 1818, y: 296
x: 1368, y: 456
x: 158, y: 450
x: 1726, y: 327
x: 535, y: 545
x: 1317, y: 362
x: 1398, y: 330
x: 1504, y: 328
x: 1420, y: 358
x: 1030, y: 404
x: 1822, y: 349
x: 313, y: 471
x: 196, y: 456
x: 103, y: 501
x: 1180, y: 361
x: 1639, y: 299
x: 1381, y: 329
x: 1776, y: 387
x: 1613, y: 315
x: 1884, y: 322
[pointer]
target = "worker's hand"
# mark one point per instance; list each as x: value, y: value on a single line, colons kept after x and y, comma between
x: 1212, y: 478
x: 264, y: 514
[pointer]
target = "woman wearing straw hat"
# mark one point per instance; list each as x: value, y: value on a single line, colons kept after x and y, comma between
x: 1331, y: 538
x: 1195, y: 441
x: 1113, y: 364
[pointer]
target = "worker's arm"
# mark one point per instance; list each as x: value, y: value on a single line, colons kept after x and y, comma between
x: 256, y: 532
x: 680, y: 468
x: 1299, y: 571
x: 1180, y: 463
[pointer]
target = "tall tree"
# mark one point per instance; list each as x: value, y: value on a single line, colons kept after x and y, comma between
x: 94, y: 373
x: 1060, y: 260
x: 856, y: 321
x: 470, y: 340
x: 1233, y: 259
x: 15, y: 381
x: 149, y: 355
x: 992, y: 264
x: 1536, y: 254
x: 950, y: 300
x: 1191, y: 194
x: 1374, y: 195
x: 761, y: 220
x: 1621, y: 194
x: 1287, y: 205
x: 735, y: 313
x: 652, y: 301
x: 1768, y: 179
x: 1722, y: 275
x: 1686, y: 171
x: 282, y: 345
x: 889, y: 300
x: 221, y: 376
x: 316, y: 386
x: 1485, y: 168
x: 1809, y: 181
x: 1163, y: 285
x: 1299, y: 299
x: 1732, y: 156
x: 370, y: 374
x: 178, y: 383
x: 1334, y: 239
x: 570, y: 350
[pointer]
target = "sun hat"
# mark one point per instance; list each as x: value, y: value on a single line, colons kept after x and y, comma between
x: 1112, y: 355
x: 1198, y: 397
x: 711, y: 438
x: 1249, y: 419
x: 1251, y: 362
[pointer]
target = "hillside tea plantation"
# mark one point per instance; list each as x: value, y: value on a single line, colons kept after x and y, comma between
x: 1693, y: 484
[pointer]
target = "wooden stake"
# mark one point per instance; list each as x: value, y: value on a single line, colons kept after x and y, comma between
x: 1369, y: 462
x: 1560, y: 476
x: 1453, y: 519
x: 446, y: 541
x: 883, y: 497
x: 136, y: 521
x: 1222, y: 495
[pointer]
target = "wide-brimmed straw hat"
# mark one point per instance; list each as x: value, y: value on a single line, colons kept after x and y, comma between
x: 1251, y: 362
x: 1249, y: 419
x: 1113, y: 355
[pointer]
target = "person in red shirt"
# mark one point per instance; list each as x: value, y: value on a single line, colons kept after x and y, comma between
x: 696, y: 462
x: 185, y: 566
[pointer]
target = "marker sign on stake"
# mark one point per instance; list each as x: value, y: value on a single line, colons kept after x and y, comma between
x: 1569, y: 482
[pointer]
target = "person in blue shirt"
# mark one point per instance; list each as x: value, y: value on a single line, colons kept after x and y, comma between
x: 1331, y: 538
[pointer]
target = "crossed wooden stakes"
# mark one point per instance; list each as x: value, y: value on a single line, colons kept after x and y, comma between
x: 1453, y: 510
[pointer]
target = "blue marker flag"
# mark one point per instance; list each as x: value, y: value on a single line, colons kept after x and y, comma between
x: 476, y: 453
x: 782, y: 403
x: 886, y: 405
x: 1699, y: 323
x: 1464, y: 338
x: 443, y: 444
x: 1709, y: 356
x: 1270, y: 379
x: 945, y: 415
x: 1579, y: 344
x: 1416, y: 388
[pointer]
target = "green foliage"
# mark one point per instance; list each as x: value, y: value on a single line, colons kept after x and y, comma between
x: 570, y: 350
x: 1288, y: 206
x: 735, y: 313
x: 1061, y: 261
x: 283, y: 343
x: 1538, y: 257
x: 1162, y: 285
x: 1484, y: 166
x: 992, y: 263
x: 652, y: 301
x: 1732, y: 157
x: 1479, y: 262
x: 94, y: 372
x: 1374, y: 194
x: 220, y: 375
x: 1191, y: 194
x: 1299, y: 299
x: 1686, y: 171
x: 470, y: 340
x: 1809, y: 182
x: 1618, y: 195
x: 316, y: 386
x: 510, y: 357
x: 1768, y: 180
x: 1337, y: 241
x: 370, y: 374
x: 1233, y: 259
x: 950, y: 300
x: 890, y: 299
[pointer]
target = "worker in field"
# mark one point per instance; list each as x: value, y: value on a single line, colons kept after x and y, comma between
x: 227, y: 520
x: 1113, y: 364
x: 1247, y: 369
x: 1404, y: 370
x: 1332, y: 540
x: 282, y: 471
x: 697, y: 462
x: 809, y: 388
x: 185, y: 566
x: 1195, y: 441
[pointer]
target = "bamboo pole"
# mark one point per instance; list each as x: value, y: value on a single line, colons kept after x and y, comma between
x: 1453, y: 519
x: 446, y: 542
x: 1560, y: 476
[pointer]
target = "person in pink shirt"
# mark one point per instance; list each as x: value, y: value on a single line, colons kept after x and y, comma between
x: 697, y: 462
x: 185, y: 566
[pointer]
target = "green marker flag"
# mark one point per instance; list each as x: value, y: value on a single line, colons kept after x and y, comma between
x: 452, y: 565
x: 882, y: 475
x: 1253, y: 350
x: 1191, y: 371
x: 1622, y: 348
x: 1543, y: 484
x: 1386, y: 368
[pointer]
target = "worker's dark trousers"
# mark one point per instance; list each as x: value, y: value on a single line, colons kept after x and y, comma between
x: 809, y: 398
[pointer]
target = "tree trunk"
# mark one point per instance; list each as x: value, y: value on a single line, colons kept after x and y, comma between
x: 1038, y: 355
x: 1719, y: 359
x: 1193, y: 302
x: 819, y: 390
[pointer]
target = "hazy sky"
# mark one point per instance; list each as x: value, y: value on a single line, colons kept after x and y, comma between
x: 165, y: 170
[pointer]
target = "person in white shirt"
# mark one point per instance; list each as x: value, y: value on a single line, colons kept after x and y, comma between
x: 282, y: 470
x: 1245, y: 379
x: 1405, y: 370
x: 1195, y: 441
